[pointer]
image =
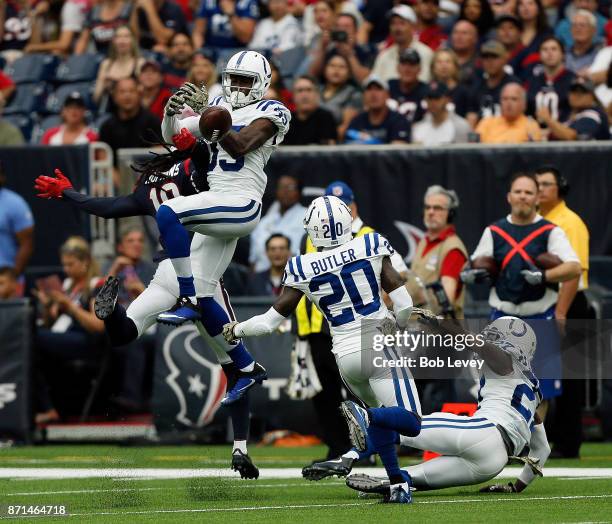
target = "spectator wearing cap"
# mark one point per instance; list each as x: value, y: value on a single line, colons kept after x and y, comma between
x: 445, y: 70
x: 563, y: 29
x: 407, y: 92
x: 584, y: 31
x: 180, y: 55
x: 440, y: 126
x: 549, y: 83
x: 587, y: 120
x: 488, y: 85
x: 225, y: 23
x: 402, y: 22
x: 479, y: 13
x: 310, y: 123
x: 268, y: 282
x: 378, y: 124
x: 512, y: 126
x: 464, y: 42
x: 153, y: 95
x: 508, y: 30
x: 204, y: 72
x: 157, y: 22
x: 73, y: 129
x: 427, y: 28
x: 279, y: 32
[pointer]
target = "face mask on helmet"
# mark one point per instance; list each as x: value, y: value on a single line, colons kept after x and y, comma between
x: 238, y: 88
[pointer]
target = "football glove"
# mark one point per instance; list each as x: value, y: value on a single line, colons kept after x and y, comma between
x: 184, y: 141
x: 228, y: 332
x: 499, y: 488
x: 175, y: 103
x: 49, y: 187
x: 473, y: 276
x: 425, y: 316
x: 534, y: 277
x: 195, y: 97
x: 304, y: 382
x: 532, y: 462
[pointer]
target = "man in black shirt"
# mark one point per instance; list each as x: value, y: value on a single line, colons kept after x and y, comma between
x: 407, y: 92
x: 158, y: 21
x: 310, y: 123
x: 269, y: 281
x: 180, y: 53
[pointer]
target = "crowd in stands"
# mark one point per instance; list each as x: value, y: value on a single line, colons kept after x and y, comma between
x: 352, y: 71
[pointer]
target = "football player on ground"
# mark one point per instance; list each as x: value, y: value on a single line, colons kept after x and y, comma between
x: 475, y: 449
x: 345, y: 279
x: 231, y: 208
x: 186, y: 177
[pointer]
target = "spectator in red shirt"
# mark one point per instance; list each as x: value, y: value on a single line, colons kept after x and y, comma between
x: 7, y: 88
x: 73, y: 130
x: 152, y: 93
x: 427, y: 28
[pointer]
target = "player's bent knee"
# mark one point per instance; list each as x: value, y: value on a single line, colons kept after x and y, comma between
x: 166, y: 216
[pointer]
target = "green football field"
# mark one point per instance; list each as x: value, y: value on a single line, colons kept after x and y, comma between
x: 193, y: 484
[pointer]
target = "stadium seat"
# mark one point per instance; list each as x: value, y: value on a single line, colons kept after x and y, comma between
x: 29, y: 98
x: 22, y: 122
x: 79, y: 68
x: 32, y: 68
x: 44, y: 125
x: 56, y: 99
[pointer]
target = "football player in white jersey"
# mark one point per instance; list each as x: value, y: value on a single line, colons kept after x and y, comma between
x: 505, y: 426
x: 231, y: 208
x: 345, y: 279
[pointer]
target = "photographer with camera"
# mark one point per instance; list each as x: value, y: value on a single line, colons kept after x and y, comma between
x: 342, y: 40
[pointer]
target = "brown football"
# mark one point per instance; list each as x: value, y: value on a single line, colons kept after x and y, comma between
x: 547, y: 261
x: 487, y: 263
x: 215, y: 122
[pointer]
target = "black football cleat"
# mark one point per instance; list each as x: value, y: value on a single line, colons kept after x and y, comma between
x: 105, y: 301
x: 243, y: 464
x: 339, y: 467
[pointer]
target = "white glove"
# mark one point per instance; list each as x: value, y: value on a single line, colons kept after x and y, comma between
x: 228, y: 332
x: 304, y: 382
x: 195, y: 97
x: 533, y: 277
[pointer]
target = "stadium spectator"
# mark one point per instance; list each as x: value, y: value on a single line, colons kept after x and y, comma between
x: 204, y: 72
x: 316, y: 17
x: 225, y: 23
x: 479, y: 13
x: 125, y: 127
x: 445, y: 70
x: 582, y: 54
x: 17, y: 20
x: 285, y: 215
x: 512, y: 126
x: 532, y: 15
x: 338, y: 94
x: 102, y: 21
x: 279, y: 32
x: 375, y: 27
x: 464, y: 42
x: 16, y: 229
x: 600, y: 72
x: 278, y: 88
x: 401, y: 29
x: 180, y: 55
x: 587, y: 120
x: 123, y: 61
x: 427, y: 28
x: 7, y: 88
x: 268, y: 283
x: 310, y: 123
x: 9, y: 134
x: 508, y: 32
x: 378, y: 124
x: 74, y: 129
x: 71, y: 329
x: 549, y: 84
x: 406, y: 93
x: 342, y: 40
x: 9, y: 288
x: 157, y: 22
x: 73, y: 17
x: 439, y: 125
x: 487, y: 86
x: 563, y: 29
x: 153, y: 95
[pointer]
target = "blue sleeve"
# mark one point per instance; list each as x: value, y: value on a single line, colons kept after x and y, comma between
x: 20, y: 215
x: 400, y: 130
x: 247, y: 9
x: 105, y: 207
x: 586, y: 128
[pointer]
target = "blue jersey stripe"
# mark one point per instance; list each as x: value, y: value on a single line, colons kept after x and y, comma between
x: 217, y: 209
x: 291, y: 270
x: 376, y: 242
x: 227, y: 220
x: 398, y: 393
x: 413, y: 406
x: 242, y: 55
x: 489, y: 425
x: 332, y: 224
x: 366, y: 237
x: 298, y: 263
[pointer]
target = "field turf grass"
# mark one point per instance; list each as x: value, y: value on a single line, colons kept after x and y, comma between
x: 220, y: 499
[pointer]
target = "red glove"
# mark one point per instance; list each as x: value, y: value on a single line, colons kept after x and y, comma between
x: 49, y: 187
x: 184, y: 140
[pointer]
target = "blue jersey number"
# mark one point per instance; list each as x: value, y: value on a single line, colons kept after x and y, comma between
x: 237, y: 165
x: 343, y: 285
x: 517, y: 401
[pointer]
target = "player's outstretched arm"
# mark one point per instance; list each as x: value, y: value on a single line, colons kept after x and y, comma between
x: 393, y: 284
x: 269, y: 321
x: 249, y: 138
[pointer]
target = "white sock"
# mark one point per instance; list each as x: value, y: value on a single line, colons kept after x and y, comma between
x: 351, y: 454
x: 241, y: 445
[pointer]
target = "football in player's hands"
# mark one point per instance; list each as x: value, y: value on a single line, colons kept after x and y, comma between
x: 547, y: 261
x: 215, y: 123
x: 487, y: 263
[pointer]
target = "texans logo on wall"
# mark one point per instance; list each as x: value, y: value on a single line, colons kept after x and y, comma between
x: 192, y: 374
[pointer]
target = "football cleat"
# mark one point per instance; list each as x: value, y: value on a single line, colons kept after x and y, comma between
x: 183, y: 311
x: 339, y: 467
x: 400, y: 494
x: 243, y: 464
x: 358, y: 420
x: 105, y: 301
x: 369, y: 484
x: 245, y: 380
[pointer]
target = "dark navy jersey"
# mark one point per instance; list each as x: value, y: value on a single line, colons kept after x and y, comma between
x: 407, y: 104
x: 552, y: 93
x: 485, y: 99
x: 590, y: 124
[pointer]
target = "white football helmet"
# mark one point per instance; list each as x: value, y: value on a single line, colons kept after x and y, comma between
x: 250, y: 64
x: 328, y: 222
x: 514, y: 330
